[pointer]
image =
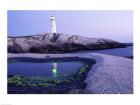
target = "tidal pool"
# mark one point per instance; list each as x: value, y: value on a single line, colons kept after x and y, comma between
x: 46, y: 69
x: 58, y: 75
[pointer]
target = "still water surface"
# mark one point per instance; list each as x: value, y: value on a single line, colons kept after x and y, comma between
x: 47, y: 69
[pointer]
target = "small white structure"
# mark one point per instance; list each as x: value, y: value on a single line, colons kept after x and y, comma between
x: 53, y: 25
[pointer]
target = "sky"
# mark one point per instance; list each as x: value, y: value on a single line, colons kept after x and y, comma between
x: 116, y: 24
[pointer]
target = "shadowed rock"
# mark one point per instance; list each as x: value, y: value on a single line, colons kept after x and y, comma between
x: 58, y: 43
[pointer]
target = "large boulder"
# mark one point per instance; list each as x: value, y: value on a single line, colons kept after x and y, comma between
x: 58, y: 43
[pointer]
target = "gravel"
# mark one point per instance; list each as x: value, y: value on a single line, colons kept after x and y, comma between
x: 110, y: 74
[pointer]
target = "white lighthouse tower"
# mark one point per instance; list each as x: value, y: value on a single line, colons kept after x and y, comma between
x: 53, y: 25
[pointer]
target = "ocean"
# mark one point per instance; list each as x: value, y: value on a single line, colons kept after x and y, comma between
x: 122, y: 52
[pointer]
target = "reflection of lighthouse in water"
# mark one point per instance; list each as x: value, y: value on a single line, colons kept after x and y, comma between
x: 54, y: 69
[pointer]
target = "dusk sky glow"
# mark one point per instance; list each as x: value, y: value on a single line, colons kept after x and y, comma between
x: 116, y: 25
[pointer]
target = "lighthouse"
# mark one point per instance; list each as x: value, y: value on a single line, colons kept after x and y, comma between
x: 53, y: 25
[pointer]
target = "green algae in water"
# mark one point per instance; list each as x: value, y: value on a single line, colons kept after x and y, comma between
x: 44, y: 82
x: 57, y: 83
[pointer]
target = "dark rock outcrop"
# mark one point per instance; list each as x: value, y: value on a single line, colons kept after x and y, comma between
x: 58, y: 43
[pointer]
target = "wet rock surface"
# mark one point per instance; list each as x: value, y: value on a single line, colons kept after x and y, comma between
x: 109, y: 75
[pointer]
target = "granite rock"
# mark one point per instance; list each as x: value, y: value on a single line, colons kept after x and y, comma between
x: 58, y: 43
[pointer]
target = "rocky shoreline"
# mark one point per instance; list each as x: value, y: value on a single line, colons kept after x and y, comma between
x: 58, y: 43
x: 110, y: 74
